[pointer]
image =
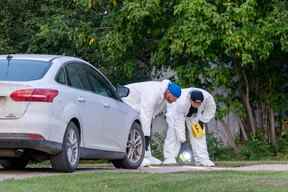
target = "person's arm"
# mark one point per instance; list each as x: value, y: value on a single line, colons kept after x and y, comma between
x: 209, y: 110
x: 169, y: 115
x: 147, y: 108
x: 180, y: 123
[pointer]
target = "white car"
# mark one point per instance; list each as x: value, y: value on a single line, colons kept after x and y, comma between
x: 64, y: 109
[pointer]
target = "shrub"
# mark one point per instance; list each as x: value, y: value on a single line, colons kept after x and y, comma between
x: 217, y: 151
x: 256, y: 149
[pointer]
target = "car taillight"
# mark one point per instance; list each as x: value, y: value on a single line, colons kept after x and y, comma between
x: 34, y: 95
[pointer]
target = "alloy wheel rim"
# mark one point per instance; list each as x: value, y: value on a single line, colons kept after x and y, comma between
x: 134, y: 146
x: 72, y: 147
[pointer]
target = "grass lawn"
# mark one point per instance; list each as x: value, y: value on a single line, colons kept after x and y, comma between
x: 182, y: 182
x: 246, y: 163
x: 91, y: 163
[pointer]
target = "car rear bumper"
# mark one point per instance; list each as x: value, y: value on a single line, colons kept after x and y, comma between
x: 28, y: 141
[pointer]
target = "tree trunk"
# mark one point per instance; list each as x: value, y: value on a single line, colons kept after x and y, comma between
x: 247, y: 104
x: 229, y: 135
x: 258, y: 116
x: 243, y: 131
x: 272, y: 127
x: 245, y: 95
x: 265, y: 122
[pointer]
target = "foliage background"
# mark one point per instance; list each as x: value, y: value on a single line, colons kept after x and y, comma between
x: 235, y: 49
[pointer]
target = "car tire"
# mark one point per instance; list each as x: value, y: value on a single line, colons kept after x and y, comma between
x: 14, y: 164
x: 135, y: 149
x: 68, y: 159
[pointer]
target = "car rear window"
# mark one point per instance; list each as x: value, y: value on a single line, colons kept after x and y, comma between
x: 22, y: 70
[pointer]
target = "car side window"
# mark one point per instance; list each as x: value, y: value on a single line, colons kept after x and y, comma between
x: 61, y: 76
x: 77, y: 76
x: 98, y: 84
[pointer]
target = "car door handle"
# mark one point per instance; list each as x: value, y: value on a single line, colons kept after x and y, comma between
x: 81, y: 100
x: 106, y: 105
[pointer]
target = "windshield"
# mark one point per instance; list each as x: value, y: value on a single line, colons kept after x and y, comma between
x: 22, y: 70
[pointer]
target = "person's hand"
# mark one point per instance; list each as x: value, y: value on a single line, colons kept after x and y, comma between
x: 181, y: 136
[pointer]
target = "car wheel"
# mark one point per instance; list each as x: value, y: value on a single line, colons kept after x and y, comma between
x: 68, y: 159
x: 134, y: 150
x: 14, y: 164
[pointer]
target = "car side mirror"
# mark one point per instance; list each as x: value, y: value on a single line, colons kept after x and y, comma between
x: 122, y: 91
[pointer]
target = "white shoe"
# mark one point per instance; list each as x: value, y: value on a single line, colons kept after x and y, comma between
x: 145, y: 163
x: 154, y: 161
x: 207, y: 163
x: 170, y: 161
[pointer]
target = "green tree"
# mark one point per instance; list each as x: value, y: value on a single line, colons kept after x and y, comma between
x: 235, y: 49
x: 235, y: 46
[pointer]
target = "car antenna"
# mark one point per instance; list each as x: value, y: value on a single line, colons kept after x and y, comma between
x: 9, y: 57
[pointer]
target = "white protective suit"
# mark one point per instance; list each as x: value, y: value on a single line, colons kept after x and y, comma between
x: 176, y: 117
x: 147, y: 98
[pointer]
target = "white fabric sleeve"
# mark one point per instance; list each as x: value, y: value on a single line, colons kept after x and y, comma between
x: 169, y: 115
x: 209, y: 110
x: 147, y: 108
x: 179, y: 123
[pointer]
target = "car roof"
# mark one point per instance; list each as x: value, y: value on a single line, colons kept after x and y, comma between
x: 39, y: 57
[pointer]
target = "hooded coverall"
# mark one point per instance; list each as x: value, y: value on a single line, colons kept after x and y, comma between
x: 176, y: 117
x: 147, y: 98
